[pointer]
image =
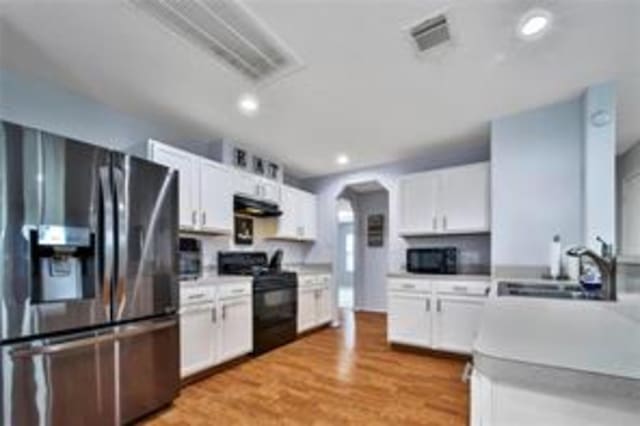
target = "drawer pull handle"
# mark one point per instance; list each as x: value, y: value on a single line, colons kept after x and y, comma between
x: 428, y: 305
x: 237, y: 290
x: 408, y: 286
x: 459, y: 288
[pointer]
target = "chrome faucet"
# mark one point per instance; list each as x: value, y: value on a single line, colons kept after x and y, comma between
x: 606, y: 264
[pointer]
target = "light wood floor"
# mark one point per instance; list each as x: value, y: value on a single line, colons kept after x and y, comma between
x: 338, y: 376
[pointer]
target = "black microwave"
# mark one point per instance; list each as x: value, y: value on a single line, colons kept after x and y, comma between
x: 436, y: 260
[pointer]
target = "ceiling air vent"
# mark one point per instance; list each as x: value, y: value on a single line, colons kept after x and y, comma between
x: 430, y: 33
x: 226, y: 30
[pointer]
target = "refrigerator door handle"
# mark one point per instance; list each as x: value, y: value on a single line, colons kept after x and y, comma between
x: 130, y: 331
x: 108, y: 237
x: 123, y: 253
x: 61, y: 347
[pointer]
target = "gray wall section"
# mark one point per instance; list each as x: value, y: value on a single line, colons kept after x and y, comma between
x: 371, y: 266
x: 43, y: 105
x: 536, y: 183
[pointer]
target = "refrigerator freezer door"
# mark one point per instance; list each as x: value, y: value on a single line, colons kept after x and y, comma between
x: 147, y: 224
x: 52, y: 242
x: 149, y: 361
x: 64, y: 381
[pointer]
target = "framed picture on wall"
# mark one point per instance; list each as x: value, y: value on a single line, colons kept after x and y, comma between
x: 243, y: 230
x: 375, y: 230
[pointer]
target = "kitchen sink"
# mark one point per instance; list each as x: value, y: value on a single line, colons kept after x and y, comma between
x: 546, y: 291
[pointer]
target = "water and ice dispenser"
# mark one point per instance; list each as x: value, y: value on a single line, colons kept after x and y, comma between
x: 62, y: 263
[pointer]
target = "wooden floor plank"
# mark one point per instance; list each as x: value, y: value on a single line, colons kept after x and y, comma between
x: 343, y: 376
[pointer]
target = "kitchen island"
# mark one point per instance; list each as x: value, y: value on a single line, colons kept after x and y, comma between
x: 557, y: 362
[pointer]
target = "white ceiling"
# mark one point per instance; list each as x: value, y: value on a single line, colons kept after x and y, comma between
x: 362, y: 91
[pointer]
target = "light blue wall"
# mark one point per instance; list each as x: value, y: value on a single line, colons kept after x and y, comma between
x: 599, y: 165
x: 536, y: 183
x: 44, y: 105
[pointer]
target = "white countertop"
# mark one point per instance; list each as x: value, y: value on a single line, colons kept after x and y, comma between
x: 440, y: 277
x: 589, y: 336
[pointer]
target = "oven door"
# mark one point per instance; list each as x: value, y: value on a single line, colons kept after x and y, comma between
x: 275, y: 312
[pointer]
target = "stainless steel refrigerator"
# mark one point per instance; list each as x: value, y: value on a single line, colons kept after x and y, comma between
x: 88, y: 282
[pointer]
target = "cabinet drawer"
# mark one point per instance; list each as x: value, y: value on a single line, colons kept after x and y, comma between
x: 197, y: 294
x: 409, y: 285
x: 307, y: 281
x: 470, y: 288
x: 234, y: 289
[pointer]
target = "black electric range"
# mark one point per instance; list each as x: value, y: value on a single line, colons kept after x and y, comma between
x: 275, y: 296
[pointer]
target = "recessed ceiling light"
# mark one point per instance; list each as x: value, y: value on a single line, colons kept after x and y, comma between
x: 342, y: 159
x: 248, y: 104
x: 534, y: 24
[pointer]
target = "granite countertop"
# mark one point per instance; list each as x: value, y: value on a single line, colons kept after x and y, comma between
x: 598, y: 337
x: 440, y: 277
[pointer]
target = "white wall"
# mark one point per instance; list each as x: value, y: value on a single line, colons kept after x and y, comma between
x: 371, y: 262
x: 536, y: 183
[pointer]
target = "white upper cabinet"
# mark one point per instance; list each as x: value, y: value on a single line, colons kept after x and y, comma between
x: 299, y: 215
x: 446, y: 201
x: 216, y: 197
x: 187, y: 166
x: 418, y: 199
x: 256, y: 187
x: 205, y: 187
x: 464, y: 199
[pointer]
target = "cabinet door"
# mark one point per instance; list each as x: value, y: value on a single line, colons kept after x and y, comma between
x: 323, y: 305
x: 464, y: 199
x: 418, y: 198
x: 187, y: 167
x: 457, y: 321
x: 246, y: 184
x: 309, y: 215
x: 236, y: 327
x: 198, y: 339
x: 409, y: 319
x: 306, y: 309
x: 270, y: 191
x: 216, y: 197
x: 288, y: 226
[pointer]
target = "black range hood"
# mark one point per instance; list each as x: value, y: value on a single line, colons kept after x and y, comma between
x: 256, y: 208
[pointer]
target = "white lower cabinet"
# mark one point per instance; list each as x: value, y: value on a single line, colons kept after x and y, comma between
x: 236, y: 327
x: 409, y: 319
x: 508, y: 403
x: 457, y: 320
x: 314, y: 301
x: 216, y: 325
x: 198, y: 337
x: 443, y: 316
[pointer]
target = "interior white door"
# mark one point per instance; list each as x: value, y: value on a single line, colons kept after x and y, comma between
x: 236, y: 327
x: 198, y: 339
x: 216, y: 197
x: 457, y: 321
x: 631, y: 216
x: 187, y: 167
x: 418, y: 203
x: 409, y: 317
x: 306, y: 309
x: 464, y: 199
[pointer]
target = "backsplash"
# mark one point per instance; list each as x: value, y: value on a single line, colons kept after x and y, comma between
x: 474, y: 251
x: 294, y: 252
